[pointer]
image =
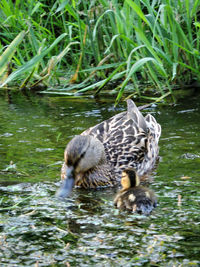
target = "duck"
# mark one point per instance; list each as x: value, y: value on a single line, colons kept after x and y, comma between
x: 134, y: 197
x: 97, y: 157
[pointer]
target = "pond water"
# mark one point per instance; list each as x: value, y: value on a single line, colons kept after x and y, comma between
x: 37, y: 229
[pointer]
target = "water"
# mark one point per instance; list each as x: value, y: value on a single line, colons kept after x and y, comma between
x: 36, y: 229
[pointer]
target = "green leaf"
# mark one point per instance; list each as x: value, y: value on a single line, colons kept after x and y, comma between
x: 137, y: 9
x: 30, y: 64
x: 9, y: 52
x: 133, y: 69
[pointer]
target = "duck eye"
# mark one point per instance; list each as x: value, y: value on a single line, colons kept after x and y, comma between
x: 69, y: 162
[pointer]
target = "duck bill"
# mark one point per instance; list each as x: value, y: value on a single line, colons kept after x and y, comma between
x: 68, y: 183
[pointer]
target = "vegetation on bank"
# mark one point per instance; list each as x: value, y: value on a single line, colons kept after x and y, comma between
x: 141, y: 47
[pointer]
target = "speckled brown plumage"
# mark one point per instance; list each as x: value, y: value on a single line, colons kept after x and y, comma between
x: 126, y: 140
x: 130, y: 140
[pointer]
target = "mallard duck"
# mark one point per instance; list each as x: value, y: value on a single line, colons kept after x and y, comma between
x: 134, y: 197
x: 96, y: 157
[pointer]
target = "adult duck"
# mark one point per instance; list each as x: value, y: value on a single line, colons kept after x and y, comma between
x: 97, y: 157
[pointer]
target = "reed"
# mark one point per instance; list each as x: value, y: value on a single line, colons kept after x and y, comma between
x: 144, y: 47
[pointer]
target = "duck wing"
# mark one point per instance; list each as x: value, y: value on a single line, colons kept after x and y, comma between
x: 102, y: 130
x: 125, y: 137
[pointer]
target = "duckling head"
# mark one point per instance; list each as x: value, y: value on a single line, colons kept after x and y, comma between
x: 129, y: 179
x: 82, y: 153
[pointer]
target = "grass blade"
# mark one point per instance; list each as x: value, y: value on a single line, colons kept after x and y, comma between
x: 9, y: 52
x: 30, y: 64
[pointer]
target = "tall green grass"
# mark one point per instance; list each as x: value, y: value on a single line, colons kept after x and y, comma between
x: 140, y: 47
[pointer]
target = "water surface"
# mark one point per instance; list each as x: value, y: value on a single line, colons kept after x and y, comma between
x: 36, y: 229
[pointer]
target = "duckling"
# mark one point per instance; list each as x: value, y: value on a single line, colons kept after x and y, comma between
x: 96, y: 157
x: 134, y: 197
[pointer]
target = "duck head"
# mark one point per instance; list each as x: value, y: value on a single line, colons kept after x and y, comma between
x: 82, y: 153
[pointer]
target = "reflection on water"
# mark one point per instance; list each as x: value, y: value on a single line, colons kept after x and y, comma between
x: 86, y: 230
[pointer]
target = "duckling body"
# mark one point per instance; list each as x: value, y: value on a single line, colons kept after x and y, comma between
x: 98, y: 156
x: 132, y: 196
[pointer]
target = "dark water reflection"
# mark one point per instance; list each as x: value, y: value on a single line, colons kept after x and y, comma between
x: 37, y: 229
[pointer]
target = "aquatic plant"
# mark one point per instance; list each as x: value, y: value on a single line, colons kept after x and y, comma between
x: 139, y: 47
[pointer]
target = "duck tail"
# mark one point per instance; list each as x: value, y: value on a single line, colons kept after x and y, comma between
x: 134, y: 114
x: 153, y: 126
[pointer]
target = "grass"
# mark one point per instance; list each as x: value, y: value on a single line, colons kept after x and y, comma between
x: 142, y: 47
